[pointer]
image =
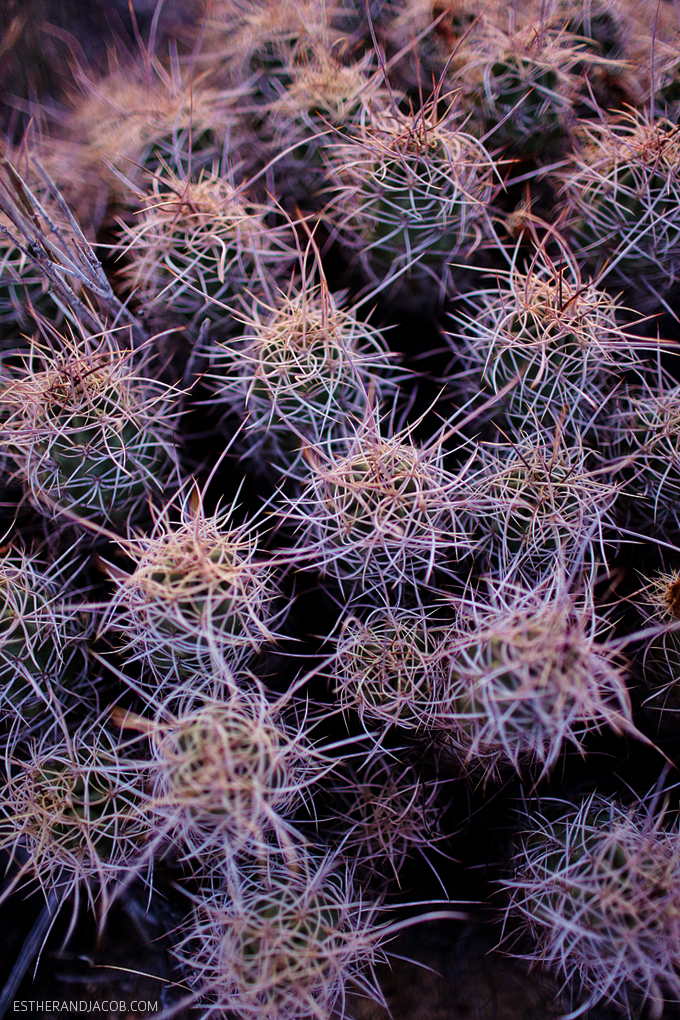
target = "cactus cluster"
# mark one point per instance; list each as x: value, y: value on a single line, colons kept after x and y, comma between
x: 340, y: 427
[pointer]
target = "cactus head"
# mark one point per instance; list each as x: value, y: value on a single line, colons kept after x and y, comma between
x: 525, y: 679
x: 385, y: 668
x: 77, y: 808
x: 228, y: 775
x: 198, y: 603
x: 303, y: 376
x: 596, y: 887
x: 284, y: 943
x: 90, y: 436
x: 624, y: 196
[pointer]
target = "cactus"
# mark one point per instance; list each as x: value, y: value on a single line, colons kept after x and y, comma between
x: 543, y: 510
x: 526, y: 677
x: 304, y: 375
x: 412, y: 196
x: 198, y: 602
x: 547, y: 342
x: 382, y: 812
x: 293, y: 207
x: 23, y: 294
x: 43, y: 648
x: 198, y: 246
x: 386, y: 669
x: 138, y: 117
x: 76, y: 808
x: 92, y: 439
x: 324, y: 100
x: 520, y: 88
x: 258, y: 41
x: 596, y: 887
x: 623, y: 195
x: 660, y: 656
x: 380, y: 510
x: 283, y: 943
x: 645, y: 431
x: 228, y: 776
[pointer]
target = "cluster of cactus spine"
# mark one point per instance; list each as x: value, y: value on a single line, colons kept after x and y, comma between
x: 308, y: 372
x: 90, y: 435
x: 524, y: 677
x: 597, y: 885
x: 198, y: 603
x: 463, y: 538
x: 623, y: 196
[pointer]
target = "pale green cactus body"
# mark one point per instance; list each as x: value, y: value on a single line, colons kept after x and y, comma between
x: 525, y: 679
x: 229, y: 774
x: 305, y: 374
x: 386, y: 669
x: 596, y: 887
x: 542, y: 508
x: 91, y: 438
x: 198, y: 603
x: 624, y: 196
x: 413, y: 196
x: 547, y: 343
x: 43, y: 647
x: 77, y: 807
x: 198, y: 248
x: 285, y: 942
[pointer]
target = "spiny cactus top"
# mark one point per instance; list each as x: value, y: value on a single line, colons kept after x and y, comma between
x: 77, y: 807
x: 306, y: 374
x: 199, y: 247
x: 132, y: 117
x: 527, y: 676
x: 386, y: 668
x: 624, y: 195
x: 412, y: 195
x: 541, y: 509
x: 598, y: 887
x: 519, y: 88
x: 547, y: 341
x: 229, y: 774
x: 282, y: 943
x: 380, y: 812
x: 91, y: 437
x: 380, y: 510
x: 198, y: 602
x: 43, y: 649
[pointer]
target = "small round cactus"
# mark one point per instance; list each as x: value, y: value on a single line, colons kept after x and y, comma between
x: 23, y: 293
x: 197, y: 247
x: 520, y: 88
x: 623, y: 193
x: 139, y: 116
x: 381, y: 812
x: 526, y: 677
x: 284, y: 943
x: 412, y: 196
x: 381, y: 510
x: 546, y: 341
x: 76, y: 806
x: 645, y: 431
x: 386, y: 668
x: 597, y: 888
x: 324, y: 99
x: 228, y: 776
x: 43, y: 647
x: 91, y: 438
x: 660, y: 656
x: 304, y: 375
x: 198, y: 602
x: 542, y: 509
